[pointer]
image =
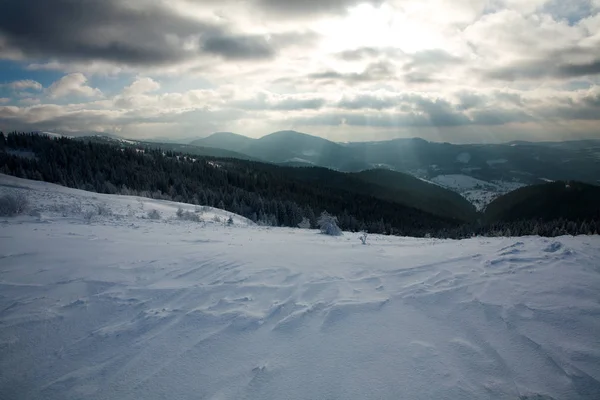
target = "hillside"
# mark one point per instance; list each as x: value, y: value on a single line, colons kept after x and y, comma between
x: 265, y: 193
x: 224, y: 140
x: 426, y: 196
x: 574, y: 201
x: 124, y: 307
x: 167, y: 146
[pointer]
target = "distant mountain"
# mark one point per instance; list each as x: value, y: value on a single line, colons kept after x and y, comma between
x: 175, y: 147
x: 288, y: 148
x: 489, y: 169
x: 573, y: 201
x: 225, y: 140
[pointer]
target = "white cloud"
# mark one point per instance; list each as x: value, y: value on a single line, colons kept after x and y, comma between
x: 140, y: 86
x: 23, y: 85
x: 72, y: 85
x: 4, y: 100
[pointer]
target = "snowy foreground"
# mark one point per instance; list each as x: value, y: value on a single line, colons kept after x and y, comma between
x: 124, y: 307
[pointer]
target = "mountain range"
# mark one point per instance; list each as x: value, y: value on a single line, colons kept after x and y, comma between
x: 478, y: 172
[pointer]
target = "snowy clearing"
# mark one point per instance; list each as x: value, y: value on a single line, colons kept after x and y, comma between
x: 125, y: 307
x: 480, y: 193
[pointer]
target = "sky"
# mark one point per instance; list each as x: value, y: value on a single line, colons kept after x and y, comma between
x: 461, y: 71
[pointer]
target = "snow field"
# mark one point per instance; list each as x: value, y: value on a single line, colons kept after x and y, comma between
x: 127, y: 307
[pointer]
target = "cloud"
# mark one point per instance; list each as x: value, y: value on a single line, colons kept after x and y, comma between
x: 239, y: 47
x: 294, y: 8
x: 72, y: 85
x: 377, y: 65
x: 4, y: 100
x: 544, y: 69
x: 23, y: 85
x: 372, y: 72
x: 140, y: 86
x: 144, y: 32
x: 264, y: 101
x: 365, y: 53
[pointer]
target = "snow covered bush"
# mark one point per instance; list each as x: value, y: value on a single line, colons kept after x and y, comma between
x: 65, y: 210
x: 187, y: 215
x: 11, y: 205
x: 305, y: 224
x: 230, y: 221
x: 328, y: 224
x: 103, y: 210
x: 88, y: 215
x: 153, y: 214
x: 363, y: 237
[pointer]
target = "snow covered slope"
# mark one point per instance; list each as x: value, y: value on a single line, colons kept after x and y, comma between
x: 480, y: 193
x: 125, y: 307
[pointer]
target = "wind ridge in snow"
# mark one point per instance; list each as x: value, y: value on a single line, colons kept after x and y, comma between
x: 124, y: 306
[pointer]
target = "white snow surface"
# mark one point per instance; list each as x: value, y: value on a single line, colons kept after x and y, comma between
x: 125, y: 307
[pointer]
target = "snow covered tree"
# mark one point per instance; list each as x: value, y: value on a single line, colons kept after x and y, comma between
x: 305, y: 224
x: 328, y: 224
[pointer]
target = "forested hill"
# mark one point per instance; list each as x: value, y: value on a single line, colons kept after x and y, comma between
x: 574, y: 201
x: 375, y: 201
x: 265, y: 193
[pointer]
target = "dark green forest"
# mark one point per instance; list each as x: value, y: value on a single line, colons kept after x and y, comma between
x: 282, y: 196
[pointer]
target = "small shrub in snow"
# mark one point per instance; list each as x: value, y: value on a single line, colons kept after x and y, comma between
x: 154, y: 214
x: 363, y: 237
x: 103, y: 210
x: 230, y: 221
x: 217, y: 219
x: 305, y: 224
x: 187, y: 216
x: 328, y: 224
x: 11, y: 205
x: 66, y: 209
x: 89, y: 215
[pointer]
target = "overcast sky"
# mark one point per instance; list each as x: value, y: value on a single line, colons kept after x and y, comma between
x: 457, y: 71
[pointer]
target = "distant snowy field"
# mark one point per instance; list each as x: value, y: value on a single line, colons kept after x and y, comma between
x: 124, y: 307
x: 479, y: 193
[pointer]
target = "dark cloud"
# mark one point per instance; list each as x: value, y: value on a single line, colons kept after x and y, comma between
x: 555, y: 65
x: 143, y: 33
x: 239, y: 47
x: 367, y: 101
x: 512, y: 98
x: 427, y: 58
x: 469, y: 100
x: 500, y: 117
x: 262, y: 102
x: 298, y: 104
x: 295, y: 8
